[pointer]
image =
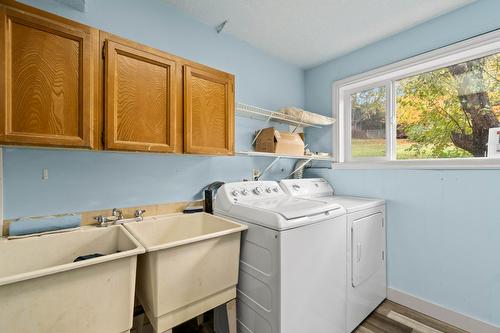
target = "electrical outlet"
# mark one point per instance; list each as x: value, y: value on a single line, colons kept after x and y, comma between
x: 45, y: 174
x: 255, y: 174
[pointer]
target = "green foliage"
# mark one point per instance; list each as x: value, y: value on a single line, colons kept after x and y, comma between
x: 368, y: 109
x: 429, y: 110
x: 440, y: 114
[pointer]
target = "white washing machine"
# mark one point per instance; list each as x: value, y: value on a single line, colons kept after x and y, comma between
x: 293, y: 257
x: 366, y: 245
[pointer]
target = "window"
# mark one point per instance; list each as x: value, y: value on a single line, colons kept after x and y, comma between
x: 368, y: 123
x: 435, y: 106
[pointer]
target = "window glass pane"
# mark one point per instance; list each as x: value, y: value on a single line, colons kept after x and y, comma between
x: 447, y: 113
x: 368, y: 135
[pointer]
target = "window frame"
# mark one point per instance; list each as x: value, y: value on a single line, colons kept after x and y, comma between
x: 469, y: 49
x: 388, y: 122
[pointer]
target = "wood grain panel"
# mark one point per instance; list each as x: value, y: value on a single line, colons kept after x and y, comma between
x: 208, y: 99
x: 208, y: 111
x: 140, y: 99
x: 48, y: 74
x: 45, y: 91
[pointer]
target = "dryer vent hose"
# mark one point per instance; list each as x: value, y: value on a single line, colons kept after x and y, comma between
x: 302, y: 164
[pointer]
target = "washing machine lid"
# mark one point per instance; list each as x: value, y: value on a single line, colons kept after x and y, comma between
x: 292, y: 207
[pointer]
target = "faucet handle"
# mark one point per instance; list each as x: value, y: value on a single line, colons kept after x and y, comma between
x: 117, y: 213
x: 139, y: 213
x: 101, y: 220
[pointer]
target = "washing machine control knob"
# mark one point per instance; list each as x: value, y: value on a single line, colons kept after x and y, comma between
x: 268, y: 190
x: 235, y: 193
x: 258, y: 190
x: 296, y: 187
x: 244, y: 192
x: 276, y: 189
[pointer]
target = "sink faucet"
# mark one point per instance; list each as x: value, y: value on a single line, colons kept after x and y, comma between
x: 139, y: 214
x: 104, y: 221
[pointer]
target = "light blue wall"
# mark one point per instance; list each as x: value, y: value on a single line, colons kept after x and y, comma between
x: 443, y: 226
x: 81, y: 180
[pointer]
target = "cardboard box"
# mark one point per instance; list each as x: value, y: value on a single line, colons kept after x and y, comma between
x: 274, y: 141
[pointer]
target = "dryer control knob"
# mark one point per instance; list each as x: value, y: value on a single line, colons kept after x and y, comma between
x: 235, y: 193
x: 268, y: 190
x: 276, y: 189
x: 244, y: 192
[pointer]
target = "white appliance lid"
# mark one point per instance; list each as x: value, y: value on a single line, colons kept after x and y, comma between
x: 320, y: 189
x: 292, y: 207
x: 355, y: 204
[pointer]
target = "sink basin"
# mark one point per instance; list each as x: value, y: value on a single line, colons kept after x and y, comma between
x: 42, y: 290
x: 190, y: 265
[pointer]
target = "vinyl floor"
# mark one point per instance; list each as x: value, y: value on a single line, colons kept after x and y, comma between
x: 389, y: 317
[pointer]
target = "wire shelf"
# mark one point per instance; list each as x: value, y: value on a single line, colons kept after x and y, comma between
x: 295, y: 157
x: 255, y: 112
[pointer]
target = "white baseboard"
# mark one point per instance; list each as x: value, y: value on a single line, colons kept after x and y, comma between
x: 459, y: 320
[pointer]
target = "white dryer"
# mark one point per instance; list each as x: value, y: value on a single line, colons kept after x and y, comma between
x: 366, y: 245
x: 293, y: 257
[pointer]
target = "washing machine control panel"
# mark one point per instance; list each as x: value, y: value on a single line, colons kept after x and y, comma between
x: 252, y: 190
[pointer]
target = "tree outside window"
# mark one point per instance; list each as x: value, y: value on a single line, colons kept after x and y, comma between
x: 444, y: 113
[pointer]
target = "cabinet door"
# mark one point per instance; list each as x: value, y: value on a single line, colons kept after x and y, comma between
x: 48, y: 69
x: 208, y: 111
x: 140, y: 98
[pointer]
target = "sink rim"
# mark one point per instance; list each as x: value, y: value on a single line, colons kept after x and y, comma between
x: 139, y: 249
x: 238, y: 227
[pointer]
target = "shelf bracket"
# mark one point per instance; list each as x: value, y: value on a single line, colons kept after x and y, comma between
x: 260, y: 131
x: 268, y: 167
x: 300, y: 167
x: 298, y: 124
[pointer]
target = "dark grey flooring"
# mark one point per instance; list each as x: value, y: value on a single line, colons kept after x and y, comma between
x: 389, y: 317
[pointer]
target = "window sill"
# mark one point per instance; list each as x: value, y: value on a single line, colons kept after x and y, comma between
x: 430, y: 164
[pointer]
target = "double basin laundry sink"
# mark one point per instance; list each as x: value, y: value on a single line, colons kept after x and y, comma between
x: 190, y: 266
x: 178, y: 265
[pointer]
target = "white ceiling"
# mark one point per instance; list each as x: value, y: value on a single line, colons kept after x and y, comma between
x: 307, y: 33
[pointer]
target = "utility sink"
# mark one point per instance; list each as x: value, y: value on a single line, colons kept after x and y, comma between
x: 42, y: 290
x: 190, y: 265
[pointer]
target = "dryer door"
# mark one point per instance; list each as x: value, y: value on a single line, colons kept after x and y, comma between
x: 367, y: 245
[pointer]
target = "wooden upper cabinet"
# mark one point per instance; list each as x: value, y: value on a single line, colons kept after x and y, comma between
x: 208, y: 111
x: 140, y: 97
x: 64, y: 84
x: 48, y: 72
